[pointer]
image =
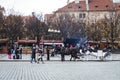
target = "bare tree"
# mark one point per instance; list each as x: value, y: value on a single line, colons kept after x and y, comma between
x: 69, y: 27
x: 1, y: 21
x: 36, y: 27
x: 93, y: 32
x: 111, y: 26
x: 12, y: 27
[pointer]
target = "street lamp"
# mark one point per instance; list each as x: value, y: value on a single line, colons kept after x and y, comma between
x: 53, y: 32
x: 26, y: 45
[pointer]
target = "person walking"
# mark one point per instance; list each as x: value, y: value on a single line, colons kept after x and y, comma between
x: 20, y: 51
x: 48, y: 53
x: 37, y: 53
x: 33, y: 53
x: 40, y: 57
x: 14, y: 53
x: 62, y: 53
x: 9, y: 52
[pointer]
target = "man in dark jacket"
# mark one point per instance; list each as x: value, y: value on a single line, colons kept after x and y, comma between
x: 33, y: 53
x: 62, y: 53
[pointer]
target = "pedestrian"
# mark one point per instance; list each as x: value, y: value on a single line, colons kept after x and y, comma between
x: 9, y: 52
x: 20, y: 51
x: 48, y: 53
x: 14, y: 53
x: 40, y: 57
x: 33, y: 53
x: 71, y: 46
x: 17, y: 53
x: 37, y: 53
x: 62, y: 53
x: 53, y: 52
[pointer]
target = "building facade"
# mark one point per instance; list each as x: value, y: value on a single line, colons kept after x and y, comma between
x: 88, y: 11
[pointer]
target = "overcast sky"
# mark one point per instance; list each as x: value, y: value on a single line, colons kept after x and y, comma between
x: 25, y: 7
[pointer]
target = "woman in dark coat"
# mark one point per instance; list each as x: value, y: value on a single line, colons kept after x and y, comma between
x: 9, y: 52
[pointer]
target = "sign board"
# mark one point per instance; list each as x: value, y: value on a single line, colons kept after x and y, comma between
x: 116, y: 1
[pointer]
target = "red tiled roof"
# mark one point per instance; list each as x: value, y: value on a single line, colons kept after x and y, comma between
x: 26, y: 17
x: 48, y: 16
x: 101, y: 5
x: 94, y: 5
x: 2, y: 8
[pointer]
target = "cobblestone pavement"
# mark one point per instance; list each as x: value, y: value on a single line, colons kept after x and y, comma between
x: 60, y: 70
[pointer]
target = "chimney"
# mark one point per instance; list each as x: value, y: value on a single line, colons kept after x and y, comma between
x: 77, y: 1
x: 87, y: 5
x: 68, y: 1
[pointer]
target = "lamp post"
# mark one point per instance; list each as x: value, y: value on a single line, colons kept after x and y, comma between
x: 26, y: 45
x: 54, y: 30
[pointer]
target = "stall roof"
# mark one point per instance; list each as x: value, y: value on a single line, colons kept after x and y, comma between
x: 3, y: 40
x: 26, y: 41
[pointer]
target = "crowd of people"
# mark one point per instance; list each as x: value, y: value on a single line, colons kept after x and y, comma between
x: 14, y: 52
x: 37, y: 53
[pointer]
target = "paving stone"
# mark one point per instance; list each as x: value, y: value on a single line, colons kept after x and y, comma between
x: 60, y: 71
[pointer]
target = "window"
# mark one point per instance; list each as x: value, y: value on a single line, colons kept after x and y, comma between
x: 79, y: 7
x: 96, y: 5
x: 73, y: 15
x: 98, y: 14
x: 69, y: 7
x: 105, y: 14
x: 82, y: 15
x: 111, y: 13
x: 92, y: 15
x: 106, y: 6
x: 119, y: 6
